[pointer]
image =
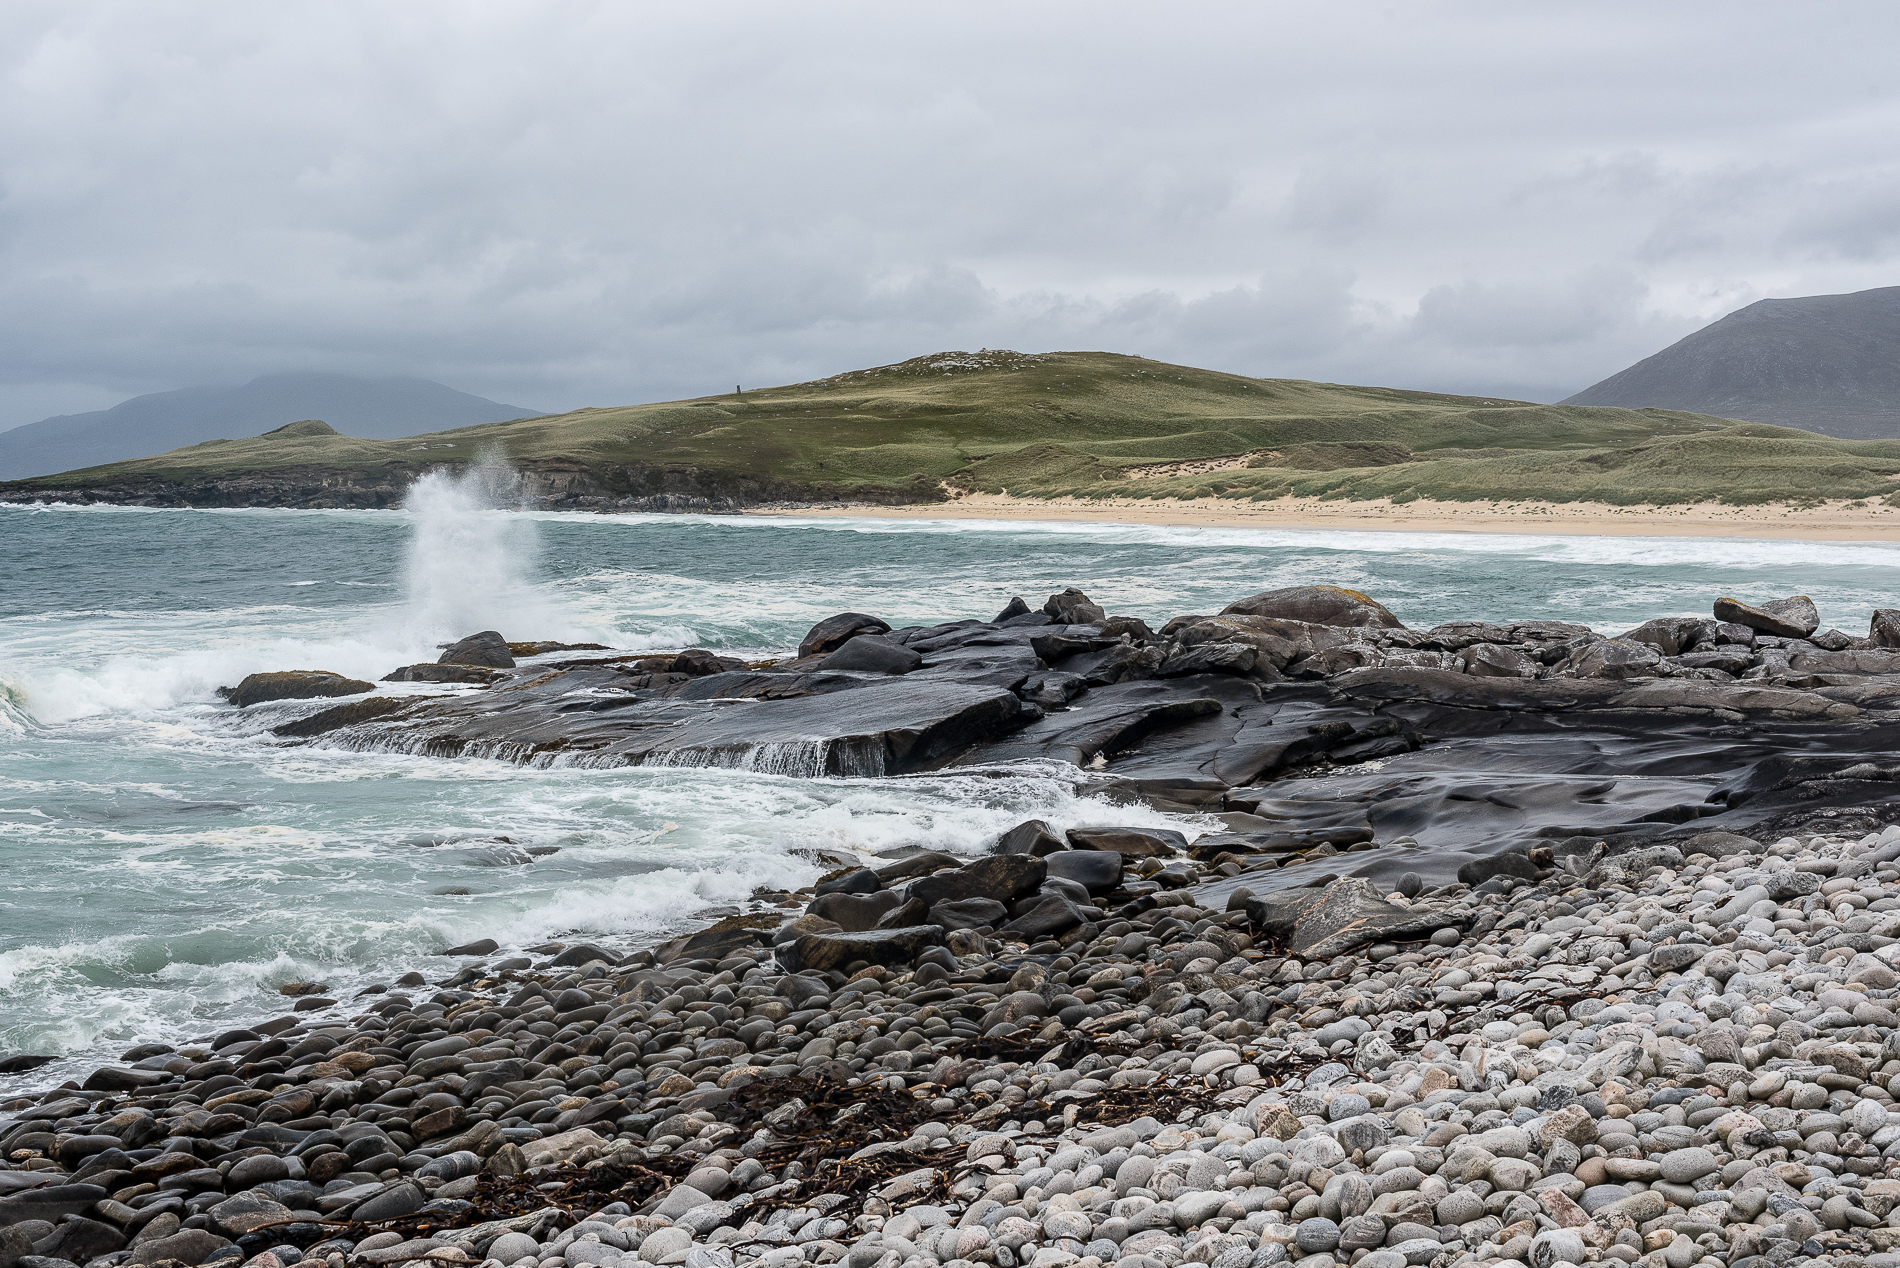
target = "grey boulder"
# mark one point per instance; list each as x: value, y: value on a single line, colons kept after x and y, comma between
x: 1782, y: 618
x: 1348, y: 913
x: 1317, y: 605
x: 488, y: 649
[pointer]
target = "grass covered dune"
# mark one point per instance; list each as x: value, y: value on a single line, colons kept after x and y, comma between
x: 1091, y: 425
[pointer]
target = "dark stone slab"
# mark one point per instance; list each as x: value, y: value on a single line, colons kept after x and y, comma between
x: 892, y: 948
x: 1349, y: 913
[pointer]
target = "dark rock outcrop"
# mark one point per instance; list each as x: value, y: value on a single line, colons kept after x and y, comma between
x: 1462, y: 743
x: 292, y: 684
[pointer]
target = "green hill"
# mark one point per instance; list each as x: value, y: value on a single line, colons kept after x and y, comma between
x: 1062, y: 424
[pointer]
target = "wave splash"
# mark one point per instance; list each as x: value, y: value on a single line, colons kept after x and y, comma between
x: 470, y: 562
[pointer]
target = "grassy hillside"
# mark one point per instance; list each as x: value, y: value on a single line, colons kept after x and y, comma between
x: 1088, y: 424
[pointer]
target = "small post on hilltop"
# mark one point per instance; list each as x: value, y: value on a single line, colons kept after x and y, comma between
x: 737, y: 390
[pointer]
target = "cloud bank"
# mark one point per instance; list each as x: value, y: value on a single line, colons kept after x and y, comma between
x: 570, y: 203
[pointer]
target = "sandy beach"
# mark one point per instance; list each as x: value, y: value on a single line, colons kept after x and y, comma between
x: 1831, y: 521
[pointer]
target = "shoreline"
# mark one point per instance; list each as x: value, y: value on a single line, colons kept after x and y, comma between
x: 1830, y: 521
x: 1192, y: 1073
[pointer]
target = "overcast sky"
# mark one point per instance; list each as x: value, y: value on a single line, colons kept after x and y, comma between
x: 559, y: 204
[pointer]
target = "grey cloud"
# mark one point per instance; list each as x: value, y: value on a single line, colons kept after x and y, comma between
x: 590, y: 203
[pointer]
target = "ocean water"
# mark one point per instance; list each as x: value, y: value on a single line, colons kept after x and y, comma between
x: 165, y: 864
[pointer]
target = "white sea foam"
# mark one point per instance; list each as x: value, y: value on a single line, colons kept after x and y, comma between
x: 470, y: 563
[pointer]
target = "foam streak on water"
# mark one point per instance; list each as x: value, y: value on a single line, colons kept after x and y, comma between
x: 165, y: 864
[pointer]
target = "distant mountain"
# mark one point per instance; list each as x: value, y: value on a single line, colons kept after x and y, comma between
x: 1826, y: 363
x: 380, y: 409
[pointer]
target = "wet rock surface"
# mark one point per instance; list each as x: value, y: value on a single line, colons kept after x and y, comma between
x: 1541, y: 730
x: 487, y: 648
x: 292, y: 684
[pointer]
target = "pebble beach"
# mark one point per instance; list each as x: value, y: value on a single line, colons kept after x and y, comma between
x: 1673, y: 1059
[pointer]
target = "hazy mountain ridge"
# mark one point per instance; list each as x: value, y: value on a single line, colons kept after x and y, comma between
x: 372, y: 408
x: 1825, y: 363
x: 1063, y: 424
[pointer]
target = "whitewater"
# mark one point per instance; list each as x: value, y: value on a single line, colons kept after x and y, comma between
x: 166, y: 865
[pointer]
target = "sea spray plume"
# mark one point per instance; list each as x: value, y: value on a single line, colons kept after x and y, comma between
x: 470, y: 562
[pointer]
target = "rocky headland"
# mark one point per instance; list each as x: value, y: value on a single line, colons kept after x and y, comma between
x: 1491, y: 945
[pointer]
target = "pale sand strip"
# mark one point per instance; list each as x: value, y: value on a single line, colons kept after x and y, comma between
x: 1832, y: 521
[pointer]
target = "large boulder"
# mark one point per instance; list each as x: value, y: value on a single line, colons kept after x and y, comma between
x: 697, y: 662
x: 855, y: 913
x: 716, y: 941
x: 835, y: 631
x: 786, y: 723
x: 49, y: 1203
x: 246, y: 1213
x: 1129, y: 842
x: 1494, y: 660
x: 923, y: 863
x: 1872, y: 661
x: 1673, y: 635
x: 1319, y: 605
x: 891, y: 948
x: 968, y: 913
x: 486, y: 648
x: 78, y: 1240
x: 1072, y: 607
x: 1783, y: 618
x: 479, y: 675
x: 1002, y: 877
x: 1209, y: 658
x: 1097, y: 871
x: 1123, y: 662
x: 1884, y: 629
x: 190, y: 1247
x: 1048, y: 915
x: 1349, y: 913
x: 293, y: 684
x: 1614, y: 658
x: 872, y: 654
x: 1032, y: 837
x: 1277, y: 641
